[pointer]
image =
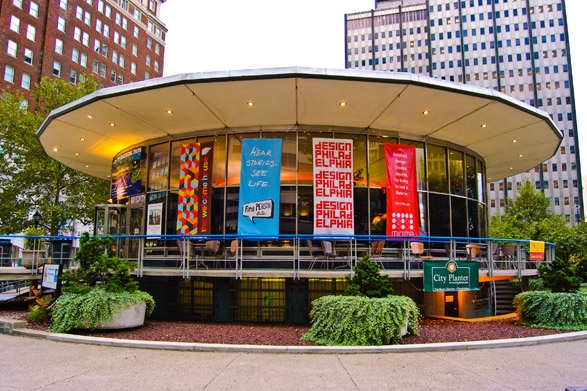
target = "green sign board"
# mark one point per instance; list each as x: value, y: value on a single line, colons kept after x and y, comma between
x: 440, y: 276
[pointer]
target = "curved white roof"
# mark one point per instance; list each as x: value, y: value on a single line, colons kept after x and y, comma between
x: 485, y: 121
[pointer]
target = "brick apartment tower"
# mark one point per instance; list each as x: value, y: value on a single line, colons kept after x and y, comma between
x: 119, y: 41
x: 518, y: 47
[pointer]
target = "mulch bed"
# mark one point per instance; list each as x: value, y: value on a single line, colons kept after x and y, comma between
x: 431, y: 331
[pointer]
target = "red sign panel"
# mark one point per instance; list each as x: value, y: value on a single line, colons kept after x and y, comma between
x: 402, y: 193
x: 333, y: 186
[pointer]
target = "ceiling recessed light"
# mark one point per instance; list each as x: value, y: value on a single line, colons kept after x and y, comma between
x: 484, y: 125
x: 426, y: 112
x: 511, y: 168
x: 112, y: 124
x: 250, y: 103
x: 342, y: 104
x: 169, y: 111
x: 77, y: 154
x: 55, y: 149
x: 82, y: 139
x: 90, y: 116
x: 520, y: 155
x: 514, y: 141
x: 87, y: 166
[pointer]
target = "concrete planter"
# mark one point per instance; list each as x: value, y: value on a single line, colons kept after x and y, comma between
x: 33, y: 259
x: 125, y: 318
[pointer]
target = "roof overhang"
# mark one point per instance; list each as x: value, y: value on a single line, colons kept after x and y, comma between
x: 512, y: 137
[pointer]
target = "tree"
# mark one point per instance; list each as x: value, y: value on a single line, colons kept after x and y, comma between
x: 368, y: 281
x: 30, y: 180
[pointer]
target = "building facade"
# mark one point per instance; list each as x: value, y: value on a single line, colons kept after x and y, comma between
x: 118, y: 41
x: 520, y: 48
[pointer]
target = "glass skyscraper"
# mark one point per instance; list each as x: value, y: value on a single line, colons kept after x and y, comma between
x: 517, y: 47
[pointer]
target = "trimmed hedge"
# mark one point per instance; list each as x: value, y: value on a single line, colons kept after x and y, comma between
x: 559, y: 310
x: 361, y: 321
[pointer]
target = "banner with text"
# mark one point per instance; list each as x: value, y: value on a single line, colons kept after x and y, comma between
x: 536, y: 250
x: 195, y: 175
x: 333, y: 186
x: 126, y: 174
x: 451, y: 276
x: 260, y: 187
x: 402, y: 193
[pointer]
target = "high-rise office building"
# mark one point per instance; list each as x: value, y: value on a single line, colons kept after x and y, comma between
x: 517, y: 47
x: 119, y: 41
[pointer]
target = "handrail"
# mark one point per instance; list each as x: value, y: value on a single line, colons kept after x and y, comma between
x: 288, y: 252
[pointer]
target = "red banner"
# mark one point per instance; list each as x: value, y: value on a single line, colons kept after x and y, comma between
x: 402, y: 193
x: 333, y: 187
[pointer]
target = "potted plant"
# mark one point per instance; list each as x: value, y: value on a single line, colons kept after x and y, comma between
x: 100, y: 293
x: 34, y: 252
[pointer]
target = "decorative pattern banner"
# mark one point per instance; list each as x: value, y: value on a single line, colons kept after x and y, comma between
x: 451, y: 276
x: 194, y: 201
x: 260, y: 187
x: 333, y: 186
x: 126, y: 174
x: 402, y: 193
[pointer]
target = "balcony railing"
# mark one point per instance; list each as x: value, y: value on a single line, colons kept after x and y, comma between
x: 294, y: 256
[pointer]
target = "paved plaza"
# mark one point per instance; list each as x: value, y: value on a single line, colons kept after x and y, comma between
x: 40, y: 364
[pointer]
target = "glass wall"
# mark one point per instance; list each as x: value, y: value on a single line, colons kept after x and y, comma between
x: 450, y: 181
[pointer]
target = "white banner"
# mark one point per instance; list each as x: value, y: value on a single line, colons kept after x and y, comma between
x: 333, y: 186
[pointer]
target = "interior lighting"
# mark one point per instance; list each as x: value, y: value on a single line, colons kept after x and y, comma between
x: 112, y: 124
x: 77, y: 154
x: 169, y: 111
x: 250, y: 103
x: 90, y: 116
x: 484, y: 125
x: 514, y: 141
x: 342, y: 104
x: 426, y: 112
x: 55, y: 149
x: 82, y: 139
x: 520, y: 155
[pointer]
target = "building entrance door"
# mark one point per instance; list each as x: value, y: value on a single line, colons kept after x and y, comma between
x: 451, y: 304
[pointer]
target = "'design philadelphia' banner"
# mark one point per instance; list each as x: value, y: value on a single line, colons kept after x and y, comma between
x: 442, y: 276
x: 260, y: 187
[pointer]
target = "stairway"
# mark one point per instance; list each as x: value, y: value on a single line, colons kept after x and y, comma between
x: 504, y: 293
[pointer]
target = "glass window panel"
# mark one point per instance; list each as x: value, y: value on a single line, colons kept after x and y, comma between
x: 436, y: 160
x: 377, y: 171
x: 459, y: 216
x: 158, y: 166
x: 471, y: 177
x: 305, y: 170
x: 305, y: 209
x: 455, y: 164
x: 235, y: 155
x: 378, y: 206
x: 440, y: 214
x: 474, y: 222
x: 480, y: 182
x: 288, y: 210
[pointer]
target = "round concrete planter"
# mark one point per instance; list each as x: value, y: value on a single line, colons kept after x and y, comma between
x: 127, y: 317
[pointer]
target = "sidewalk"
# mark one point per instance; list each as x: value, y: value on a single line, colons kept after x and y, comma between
x: 52, y: 365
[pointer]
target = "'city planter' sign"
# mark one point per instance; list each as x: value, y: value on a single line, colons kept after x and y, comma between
x: 451, y: 276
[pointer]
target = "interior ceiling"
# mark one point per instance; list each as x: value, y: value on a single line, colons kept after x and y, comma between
x: 88, y: 133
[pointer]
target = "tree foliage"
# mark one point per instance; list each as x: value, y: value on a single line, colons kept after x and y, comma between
x: 368, y: 281
x: 529, y: 216
x: 30, y: 180
x: 560, y: 276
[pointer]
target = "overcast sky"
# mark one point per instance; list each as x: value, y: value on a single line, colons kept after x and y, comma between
x: 228, y: 35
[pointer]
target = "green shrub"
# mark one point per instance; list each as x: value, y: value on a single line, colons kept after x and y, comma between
x: 536, y: 284
x: 553, y: 310
x: 93, y: 308
x: 559, y: 276
x: 355, y: 320
x: 368, y: 280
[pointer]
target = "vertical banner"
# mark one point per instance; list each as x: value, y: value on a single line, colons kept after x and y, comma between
x: 126, y: 174
x: 402, y: 193
x: 195, y: 174
x: 536, y: 250
x: 260, y: 187
x: 333, y: 186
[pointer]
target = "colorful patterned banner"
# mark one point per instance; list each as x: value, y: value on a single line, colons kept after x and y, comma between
x: 187, y: 203
x: 333, y: 187
x: 402, y: 194
x: 260, y: 187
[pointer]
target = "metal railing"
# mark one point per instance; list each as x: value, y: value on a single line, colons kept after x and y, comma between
x: 293, y: 255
